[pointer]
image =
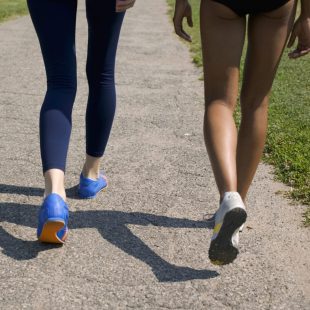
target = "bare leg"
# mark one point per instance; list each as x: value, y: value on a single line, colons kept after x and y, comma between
x: 222, y: 34
x: 91, y: 167
x: 55, y: 182
x: 268, y: 34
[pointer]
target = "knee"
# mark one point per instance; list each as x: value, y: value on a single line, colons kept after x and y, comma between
x: 100, y: 77
x: 252, y: 105
x: 228, y: 102
x: 62, y: 77
x: 220, y: 91
x: 61, y: 93
x: 62, y: 82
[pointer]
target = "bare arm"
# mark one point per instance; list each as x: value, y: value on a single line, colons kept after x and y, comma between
x: 301, y: 31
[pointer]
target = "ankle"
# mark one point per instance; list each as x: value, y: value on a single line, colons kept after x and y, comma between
x: 60, y: 192
x: 224, y: 192
x: 90, y: 172
x: 229, y: 193
x: 55, y: 183
x: 91, y: 167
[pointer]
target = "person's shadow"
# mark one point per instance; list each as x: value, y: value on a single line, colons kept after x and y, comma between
x: 112, y: 225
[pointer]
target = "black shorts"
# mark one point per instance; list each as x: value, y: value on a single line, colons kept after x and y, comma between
x: 244, y: 7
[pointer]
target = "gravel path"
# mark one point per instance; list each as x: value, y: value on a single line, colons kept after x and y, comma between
x: 143, y: 243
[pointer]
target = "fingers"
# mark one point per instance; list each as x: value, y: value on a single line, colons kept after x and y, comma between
x: 123, y: 5
x: 184, y: 36
x: 190, y: 17
x: 178, y: 27
x: 301, y: 33
x: 298, y: 53
x: 190, y: 21
x: 122, y: 8
x: 180, y: 32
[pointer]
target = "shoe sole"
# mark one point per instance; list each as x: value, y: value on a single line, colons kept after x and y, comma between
x: 221, y: 250
x: 49, y: 232
x: 92, y: 197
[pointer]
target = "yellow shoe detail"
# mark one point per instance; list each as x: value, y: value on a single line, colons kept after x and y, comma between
x: 217, y: 262
x: 217, y: 228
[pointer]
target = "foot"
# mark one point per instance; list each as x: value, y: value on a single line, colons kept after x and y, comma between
x: 211, y: 221
x: 89, y: 188
x: 228, y: 220
x: 53, y: 220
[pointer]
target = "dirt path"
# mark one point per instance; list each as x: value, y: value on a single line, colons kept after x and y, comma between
x: 142, y: 244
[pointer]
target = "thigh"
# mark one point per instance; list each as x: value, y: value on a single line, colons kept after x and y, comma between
x: 54, y: 21
x: 267, y: 36
x: 222, y: 35
x: 104, y: 26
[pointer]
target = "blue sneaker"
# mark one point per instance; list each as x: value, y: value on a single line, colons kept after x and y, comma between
x: 53, y: 220
x: 89, y: 188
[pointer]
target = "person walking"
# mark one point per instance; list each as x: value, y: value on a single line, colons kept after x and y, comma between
x: 55, y: 22
x: 234, y: 154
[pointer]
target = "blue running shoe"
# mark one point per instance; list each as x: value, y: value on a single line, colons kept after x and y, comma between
x: 89, y: 188
x: 53, y: 220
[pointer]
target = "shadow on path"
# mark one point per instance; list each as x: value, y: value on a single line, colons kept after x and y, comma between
x: 33, y: 191
x: 112, y: 225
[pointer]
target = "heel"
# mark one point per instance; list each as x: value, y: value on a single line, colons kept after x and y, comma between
x: 53, y: 220
x: 222, y: 251
x: 50, y: 230
x: 235, y: 218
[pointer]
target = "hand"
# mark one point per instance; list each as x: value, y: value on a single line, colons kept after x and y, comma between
x: 301, y: 30
x: 123, y: 5
x: 182, y: 10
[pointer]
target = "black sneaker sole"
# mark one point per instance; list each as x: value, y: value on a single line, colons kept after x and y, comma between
x: 221, y: 250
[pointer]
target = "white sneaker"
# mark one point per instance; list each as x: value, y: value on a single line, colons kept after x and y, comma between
x: 211, y: 222
x: 229, y: 218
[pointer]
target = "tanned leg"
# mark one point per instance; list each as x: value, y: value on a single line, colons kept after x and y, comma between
x: 222, y: 34
x: 267, y: 36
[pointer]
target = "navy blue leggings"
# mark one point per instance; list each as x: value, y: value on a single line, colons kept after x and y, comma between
x: 55, y: 22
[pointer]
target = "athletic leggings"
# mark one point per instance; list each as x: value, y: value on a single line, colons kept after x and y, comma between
x: 55, y: 22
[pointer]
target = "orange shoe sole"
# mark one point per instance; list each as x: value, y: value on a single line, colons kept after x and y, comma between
x: 49, y: 232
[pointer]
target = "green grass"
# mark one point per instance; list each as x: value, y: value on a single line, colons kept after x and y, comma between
x: 288, y: 142
x: 10, y: 8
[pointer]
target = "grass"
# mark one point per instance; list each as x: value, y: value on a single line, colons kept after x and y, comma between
x: 11, y: 8
x: 288, y: 142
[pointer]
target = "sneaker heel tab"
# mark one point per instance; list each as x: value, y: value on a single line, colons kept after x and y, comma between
x: 229, y: 195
